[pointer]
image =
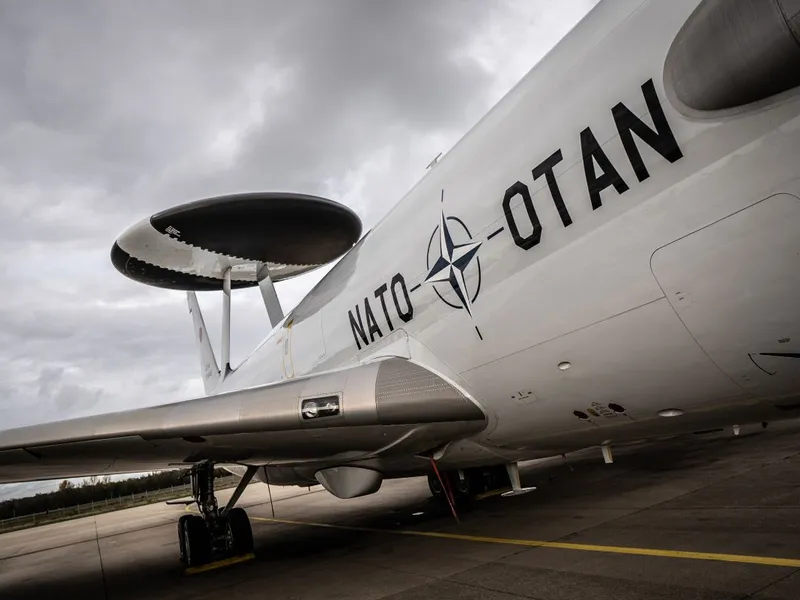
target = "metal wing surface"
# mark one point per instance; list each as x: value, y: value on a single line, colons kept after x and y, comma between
x: 366, y: 411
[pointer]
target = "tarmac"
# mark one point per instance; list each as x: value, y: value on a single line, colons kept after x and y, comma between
x: 707, y: 516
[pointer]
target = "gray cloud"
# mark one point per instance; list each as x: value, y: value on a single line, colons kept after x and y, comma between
x: 128, y: 98
x: 111, y: 111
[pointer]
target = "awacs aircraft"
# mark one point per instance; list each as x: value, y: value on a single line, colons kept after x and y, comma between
x: 611, y: 254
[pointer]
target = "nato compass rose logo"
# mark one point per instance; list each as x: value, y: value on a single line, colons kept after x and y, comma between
x: 454, y: 269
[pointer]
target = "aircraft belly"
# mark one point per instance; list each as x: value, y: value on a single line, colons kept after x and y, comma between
x: 622, y: 370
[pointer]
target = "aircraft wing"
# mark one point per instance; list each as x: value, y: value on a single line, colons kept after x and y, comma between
x: 366, y: 411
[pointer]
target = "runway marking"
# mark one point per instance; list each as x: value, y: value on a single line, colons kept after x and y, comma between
x: 714, y: 556
x: 491, y: 493
x: 218, y: 564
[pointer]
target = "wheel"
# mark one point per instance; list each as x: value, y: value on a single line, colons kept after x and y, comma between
x: 197, y: 541
x: 239, y: 531
x: 463, y: 488
x: 435, y: 486
x: 181, y: 536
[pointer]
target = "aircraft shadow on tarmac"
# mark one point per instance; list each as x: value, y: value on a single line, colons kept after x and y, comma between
x: 153, y: 570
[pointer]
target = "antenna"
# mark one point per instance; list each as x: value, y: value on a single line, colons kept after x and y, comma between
x: 434, y: 162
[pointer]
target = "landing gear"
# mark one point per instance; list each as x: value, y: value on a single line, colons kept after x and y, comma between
x: 196, y: 543
x: 214, y: 532
x: 239, y: 532
x: 466, y: 484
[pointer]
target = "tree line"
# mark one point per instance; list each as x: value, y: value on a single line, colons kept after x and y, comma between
x: 94, y: 489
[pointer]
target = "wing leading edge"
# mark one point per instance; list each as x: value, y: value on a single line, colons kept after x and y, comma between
x: 331, y: 418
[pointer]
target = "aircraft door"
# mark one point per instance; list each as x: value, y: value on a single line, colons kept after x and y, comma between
x: 735, y: 285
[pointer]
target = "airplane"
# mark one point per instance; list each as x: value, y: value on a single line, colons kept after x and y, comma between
x: 610, y: 254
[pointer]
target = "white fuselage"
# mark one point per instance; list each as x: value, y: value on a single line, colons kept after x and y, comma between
x: 662, y: 295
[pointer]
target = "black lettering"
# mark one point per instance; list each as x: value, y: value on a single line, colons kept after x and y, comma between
x: 407, y: 314
x: 526, y: 243
x: 591, y: 152
x: 372, y: 324
x: 379, y: 294
x: 662, y: 140
x: 357, y: 327
x: 546, y: 168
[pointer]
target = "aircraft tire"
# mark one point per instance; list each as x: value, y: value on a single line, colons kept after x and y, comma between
x: 435, y: 486
x: 197, y: 541
x: 181, y: 536
x: 464, y: 489
x: 240, y: 531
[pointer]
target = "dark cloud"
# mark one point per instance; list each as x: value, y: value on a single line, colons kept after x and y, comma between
x: 110, y: 111
x: 123, y: 97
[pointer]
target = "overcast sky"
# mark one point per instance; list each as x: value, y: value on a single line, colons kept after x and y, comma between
x: 111, y: 111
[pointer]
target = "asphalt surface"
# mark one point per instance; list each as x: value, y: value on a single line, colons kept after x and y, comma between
x: 711, y: 516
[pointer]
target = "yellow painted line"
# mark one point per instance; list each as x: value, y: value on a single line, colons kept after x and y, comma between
x: 733, y: 558
x: 225, y: 562
x: 491, y: 493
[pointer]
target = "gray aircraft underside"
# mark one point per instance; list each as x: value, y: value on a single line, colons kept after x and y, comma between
x: 611, y: 254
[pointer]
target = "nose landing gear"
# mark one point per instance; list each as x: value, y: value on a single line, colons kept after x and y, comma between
x: 214, y: 532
